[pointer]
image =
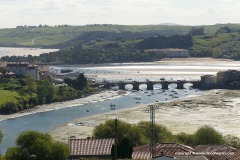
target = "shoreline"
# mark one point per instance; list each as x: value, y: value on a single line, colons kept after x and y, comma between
x: 217, y: 108
x: 97, y: 97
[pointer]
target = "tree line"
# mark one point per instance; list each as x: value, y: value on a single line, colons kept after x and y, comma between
x: 37, y: 145
x: 130, y: 136
x: 33, y: 93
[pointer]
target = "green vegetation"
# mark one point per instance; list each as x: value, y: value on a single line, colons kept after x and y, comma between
x: 52, y: 36
x: 134, y: 135
x: 119, y: 43
x: 117, y: 51
x: 8, y: 95
x: 47, y: 36
x: 35, y: 145
x: 17, y: 94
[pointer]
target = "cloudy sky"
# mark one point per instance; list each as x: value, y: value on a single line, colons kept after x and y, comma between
x: 138, y: 12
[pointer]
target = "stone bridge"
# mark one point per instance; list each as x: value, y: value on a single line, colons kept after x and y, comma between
x: 150, y: 84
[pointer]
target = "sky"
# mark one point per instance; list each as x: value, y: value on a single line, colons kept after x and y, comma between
x: 126, y: 12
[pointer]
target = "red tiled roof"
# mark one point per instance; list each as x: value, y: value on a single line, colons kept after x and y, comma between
x: 218, y: 152
x: 166, y: 149
x: 88, y: 147
x: 214, y: 148
x: 232, y: 156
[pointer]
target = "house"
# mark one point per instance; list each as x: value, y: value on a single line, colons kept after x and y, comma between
x: 208, y: 81
x: 44, y: 71
x: 218, y: 152
x: 168, y: 53
x: 23, y: 69
x: 90, y: 148
x: 9, y: 75
x: 167, y: 151
x: 222, y: 79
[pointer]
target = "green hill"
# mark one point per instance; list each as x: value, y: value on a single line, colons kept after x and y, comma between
x: 55, y: 36
x: 203, y: 45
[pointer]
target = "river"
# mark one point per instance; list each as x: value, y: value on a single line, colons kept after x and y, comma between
x: 180, y: 69
x: 11, y: 51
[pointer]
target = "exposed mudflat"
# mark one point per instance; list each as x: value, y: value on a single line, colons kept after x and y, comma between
x: 218, y: 108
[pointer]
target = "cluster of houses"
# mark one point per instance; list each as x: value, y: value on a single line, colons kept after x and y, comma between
x: 222, y: 79
x: 13, y: 69
x: 102, y: 149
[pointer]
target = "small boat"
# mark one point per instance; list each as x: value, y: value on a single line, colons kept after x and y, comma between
x: 87, y: 110
x: 137, y: 98
x: 66, y: 70
x: 112, y: 106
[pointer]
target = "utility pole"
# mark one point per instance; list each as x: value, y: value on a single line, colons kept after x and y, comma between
x: 152, y: 109
x: 115, y: 146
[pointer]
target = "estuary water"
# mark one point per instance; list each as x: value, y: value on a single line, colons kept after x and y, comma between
x: 175, y: 70
x: 11, y: 51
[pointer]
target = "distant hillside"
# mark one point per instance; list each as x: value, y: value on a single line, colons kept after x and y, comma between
x: 205, y: 44
x: 65, y: 35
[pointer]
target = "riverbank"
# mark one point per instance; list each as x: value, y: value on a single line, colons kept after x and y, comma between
x: 102, y: 96
x: 218, y: 108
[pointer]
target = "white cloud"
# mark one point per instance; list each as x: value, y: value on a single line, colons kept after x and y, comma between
x: 80, y: 12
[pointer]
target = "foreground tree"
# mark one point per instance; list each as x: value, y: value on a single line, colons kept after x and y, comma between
x: 38, y: 146
x: 208, y: 135
x: 163, y: 134
x: 128, y: 136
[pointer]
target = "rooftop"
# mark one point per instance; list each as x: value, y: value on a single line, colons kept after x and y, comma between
x: 89, y: 147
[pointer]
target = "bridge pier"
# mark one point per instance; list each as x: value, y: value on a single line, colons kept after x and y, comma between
x: 149, y: 86
x: 135, y: 86
x: 122, y: 86
x: 180, y: 85
x: 165, y: 85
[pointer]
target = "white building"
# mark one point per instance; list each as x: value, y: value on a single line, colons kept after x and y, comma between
x: 169, y: 53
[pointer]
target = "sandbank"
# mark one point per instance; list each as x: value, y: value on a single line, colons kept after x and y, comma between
x: 218, y: 108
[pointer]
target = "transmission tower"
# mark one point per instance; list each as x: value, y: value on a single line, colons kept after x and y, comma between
x: 152, y: 109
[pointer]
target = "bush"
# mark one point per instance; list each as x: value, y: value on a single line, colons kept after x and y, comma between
x: 208, y: 135
x: 36, y: 145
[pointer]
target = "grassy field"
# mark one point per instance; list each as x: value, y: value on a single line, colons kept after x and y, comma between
x: 46, y: 36
x: 224, y: 41
x: 7, y: 95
